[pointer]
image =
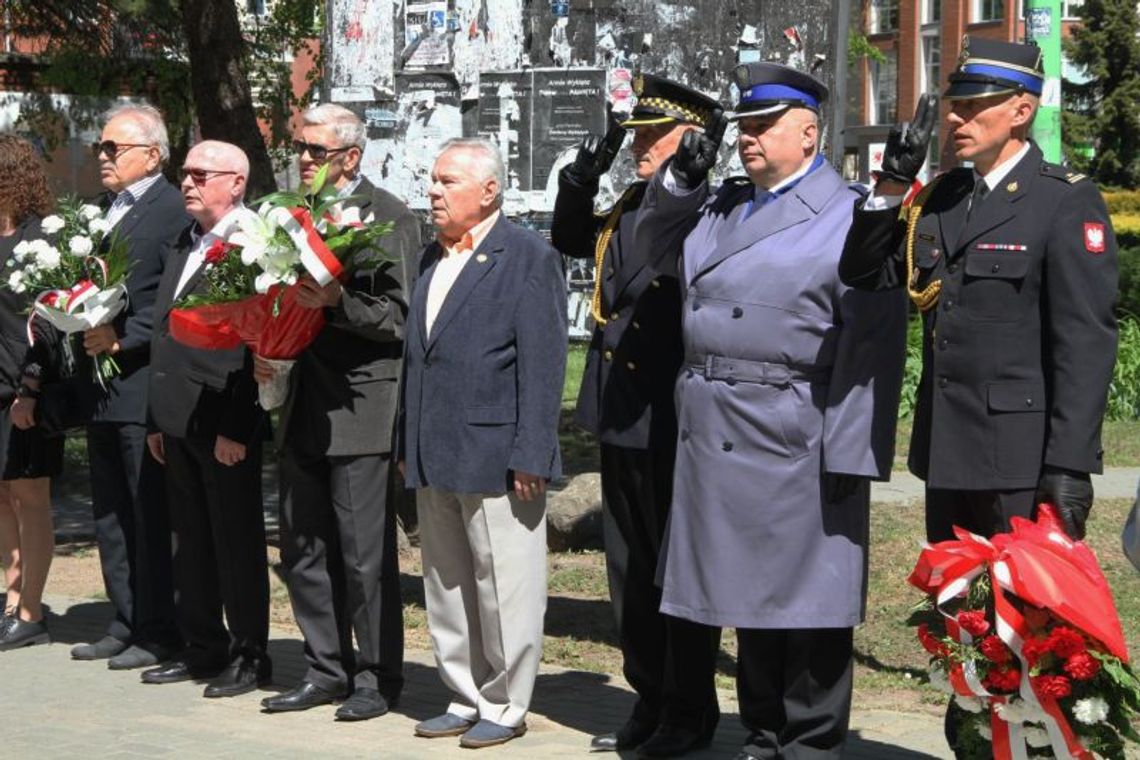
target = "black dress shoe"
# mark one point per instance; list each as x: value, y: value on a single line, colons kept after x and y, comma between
x: 23, y: 633
x: 241, y: 677
x: 301, y: 698
x: 363, y: 704
x: 627, y: 737
x: 171, y: 672
x: 673, y: 741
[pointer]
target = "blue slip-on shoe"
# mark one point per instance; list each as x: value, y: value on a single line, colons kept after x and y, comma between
x: 447, y: 724
x: 487, y: 734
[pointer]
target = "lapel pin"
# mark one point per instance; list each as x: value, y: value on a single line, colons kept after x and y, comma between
x: 1012, y: 187
x: 481, y: 258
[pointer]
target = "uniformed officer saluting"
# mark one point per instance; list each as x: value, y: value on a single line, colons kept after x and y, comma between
x: 1013, y: 264
x: 626, y: 399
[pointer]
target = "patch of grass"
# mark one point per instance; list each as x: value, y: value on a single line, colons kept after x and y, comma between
x: 578, y: 574
x: 575, y: 365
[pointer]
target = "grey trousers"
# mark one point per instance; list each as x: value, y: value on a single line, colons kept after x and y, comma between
x: 484, y: 568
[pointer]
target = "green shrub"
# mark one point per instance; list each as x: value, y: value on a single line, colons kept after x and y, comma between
x: 1124, y: 392
x: 1128, y: 298
x: 1122, y: 201
x: 912, y: 372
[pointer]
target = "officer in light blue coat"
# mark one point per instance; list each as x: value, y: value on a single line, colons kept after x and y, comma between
x: 786, y: 403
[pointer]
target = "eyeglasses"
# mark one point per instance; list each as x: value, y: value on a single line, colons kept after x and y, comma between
x: 200, y: 176
x: 114, y: 149
x: 315, y: 151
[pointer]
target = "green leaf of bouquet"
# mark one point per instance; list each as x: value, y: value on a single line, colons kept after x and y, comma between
x: 319, y: 180
x: 282, y: 198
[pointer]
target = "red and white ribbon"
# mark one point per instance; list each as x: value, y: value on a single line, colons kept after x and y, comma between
x: 318, y: 260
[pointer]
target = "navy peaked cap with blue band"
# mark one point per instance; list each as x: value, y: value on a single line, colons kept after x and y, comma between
x: 994, y: 67
x: 767, y: 88
x: 663, y: 101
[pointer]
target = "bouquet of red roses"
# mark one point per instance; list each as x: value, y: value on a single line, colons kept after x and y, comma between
x: 1023, y: 631
x: 251, y: 278
x: 79, y: 273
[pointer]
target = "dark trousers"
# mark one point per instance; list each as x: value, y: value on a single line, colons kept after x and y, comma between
x: 794, y: 687
x: 338, y: 547
x: 218, y: 521
x: 132, y: 530
x: 669, y: 662
x: 981, y: 512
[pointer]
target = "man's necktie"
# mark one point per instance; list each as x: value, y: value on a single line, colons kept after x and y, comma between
x: 981, y: 189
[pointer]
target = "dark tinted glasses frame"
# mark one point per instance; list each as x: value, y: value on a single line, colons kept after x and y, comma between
x: 114, y: 149
x: 316, y: 152
x: 200, y: 176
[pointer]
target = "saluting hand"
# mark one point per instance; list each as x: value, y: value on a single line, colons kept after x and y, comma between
x: 696, y: 154
x: 595, y: 156
x: 907, y: 143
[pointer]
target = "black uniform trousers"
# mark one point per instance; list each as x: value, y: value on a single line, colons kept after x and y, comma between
x: 218, y: 521
x: 983, y: 512
x: 794, y: 687
x: 338, y: 547
x: 669, y: 662
x: 132, y: 530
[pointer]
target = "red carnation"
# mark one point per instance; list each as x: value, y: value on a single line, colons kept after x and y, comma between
x: 995, y: 650
x: 1082, y: 666
x: 1066, y: 642
x: 1034, y: 649
x: 218, y: 251
x: 931, y: 643
x: 1052, y: 686
x: 1003, y: 679
x: 1036, y: 617
x: 974, y: 622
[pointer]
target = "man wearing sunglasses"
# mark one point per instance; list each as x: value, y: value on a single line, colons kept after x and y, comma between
x: 338, y: 526
x: 127, y: 496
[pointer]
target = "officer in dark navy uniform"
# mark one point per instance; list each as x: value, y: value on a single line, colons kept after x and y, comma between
x: 1013, y: 265
x: 626, y: 399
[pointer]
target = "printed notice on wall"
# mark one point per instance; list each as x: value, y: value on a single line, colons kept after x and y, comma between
x: 504, y: 117
x: 361, y: 51
x: 568, y: 104
x: 425, y: 28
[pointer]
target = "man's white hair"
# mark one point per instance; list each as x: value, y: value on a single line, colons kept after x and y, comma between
x: 489, y: 158
x: 152, y: 129
x: 347, y: 126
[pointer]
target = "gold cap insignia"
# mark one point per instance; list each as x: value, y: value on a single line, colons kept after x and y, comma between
x: 965, y: 54
x: 638, y: 85
x: 1012, y: 187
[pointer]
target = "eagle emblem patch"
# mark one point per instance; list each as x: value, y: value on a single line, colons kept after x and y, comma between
x: 1094, y: 237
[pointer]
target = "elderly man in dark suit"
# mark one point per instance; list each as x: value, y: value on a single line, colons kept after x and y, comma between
x: 206, y: 428
x: 339, y: 528
x: 131, y: 522
x: 484, y: 363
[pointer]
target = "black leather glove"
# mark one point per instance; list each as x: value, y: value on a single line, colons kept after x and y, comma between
x: 907, y: 143
x: 696, y: 154
x: 838, y: 487
x: 1071, y: 494
x: 595, y: 156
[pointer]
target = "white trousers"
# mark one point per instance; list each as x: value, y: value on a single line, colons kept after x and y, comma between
x: 484, y: 567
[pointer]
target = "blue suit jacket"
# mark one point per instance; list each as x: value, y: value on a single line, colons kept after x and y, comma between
x: 481, y: 395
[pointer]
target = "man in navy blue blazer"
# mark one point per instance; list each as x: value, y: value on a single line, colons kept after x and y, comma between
x: 484, y: 360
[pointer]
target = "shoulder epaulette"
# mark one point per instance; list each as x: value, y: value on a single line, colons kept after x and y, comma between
x: 1056, y: 171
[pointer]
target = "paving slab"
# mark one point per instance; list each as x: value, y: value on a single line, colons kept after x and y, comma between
x: 54, y: 707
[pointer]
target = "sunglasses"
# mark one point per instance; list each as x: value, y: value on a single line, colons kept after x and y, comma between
x: 200, y: 176
x: 315, y: 151
x: 114, y: 149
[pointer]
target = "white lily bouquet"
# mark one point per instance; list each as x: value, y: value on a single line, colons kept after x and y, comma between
x: 79, y: 272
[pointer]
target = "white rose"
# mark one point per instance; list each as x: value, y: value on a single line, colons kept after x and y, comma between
x: 47, y: 258
x: 1090, y: 710
x: 89, y: 212
x: 52, y: 224
x: 80, y: 245
x: 16, y: 282
x: 101, y: 226
x: 969, y: 704
x: 1035, y: 736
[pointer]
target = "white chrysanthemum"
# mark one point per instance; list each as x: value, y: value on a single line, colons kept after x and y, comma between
x: 47, y: 258
x: 969, y: 704
x: 100, y: 226
x: 52, y: 224
x: 16, y: 282
x: 1091, y: 710
x: 1035, y: 736
x: 939, y: 681
x: 80, y: 245
x: 89, y: 213
x: 1019, y: 711
x: 22, y: 250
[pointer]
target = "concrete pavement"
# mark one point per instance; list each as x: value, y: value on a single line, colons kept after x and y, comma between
x: 53, y: 707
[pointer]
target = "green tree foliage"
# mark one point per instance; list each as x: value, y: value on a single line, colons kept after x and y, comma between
x: 1106, y: 44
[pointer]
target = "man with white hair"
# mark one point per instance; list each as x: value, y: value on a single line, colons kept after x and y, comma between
x: 131, y: 521
x: 478, y: 437
x: 338, y: 525
x: 206, y: 429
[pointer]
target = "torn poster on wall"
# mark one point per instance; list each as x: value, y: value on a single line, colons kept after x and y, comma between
x: 399, y: 158
x: 504, y: 116
x: 425, y: 34
x: 568, y: 104
x: 361, y: 50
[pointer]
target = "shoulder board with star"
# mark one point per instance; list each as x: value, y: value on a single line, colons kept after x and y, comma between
x: 1063, y: 173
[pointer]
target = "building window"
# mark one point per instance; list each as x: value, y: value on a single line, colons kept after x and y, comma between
x: 988, y: 10
x: 931, y: 11
x: 931, y: 60
x: 885, y: 89
x: 255, y: 7
x: 884, y: 16
x: 1072, y: 9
